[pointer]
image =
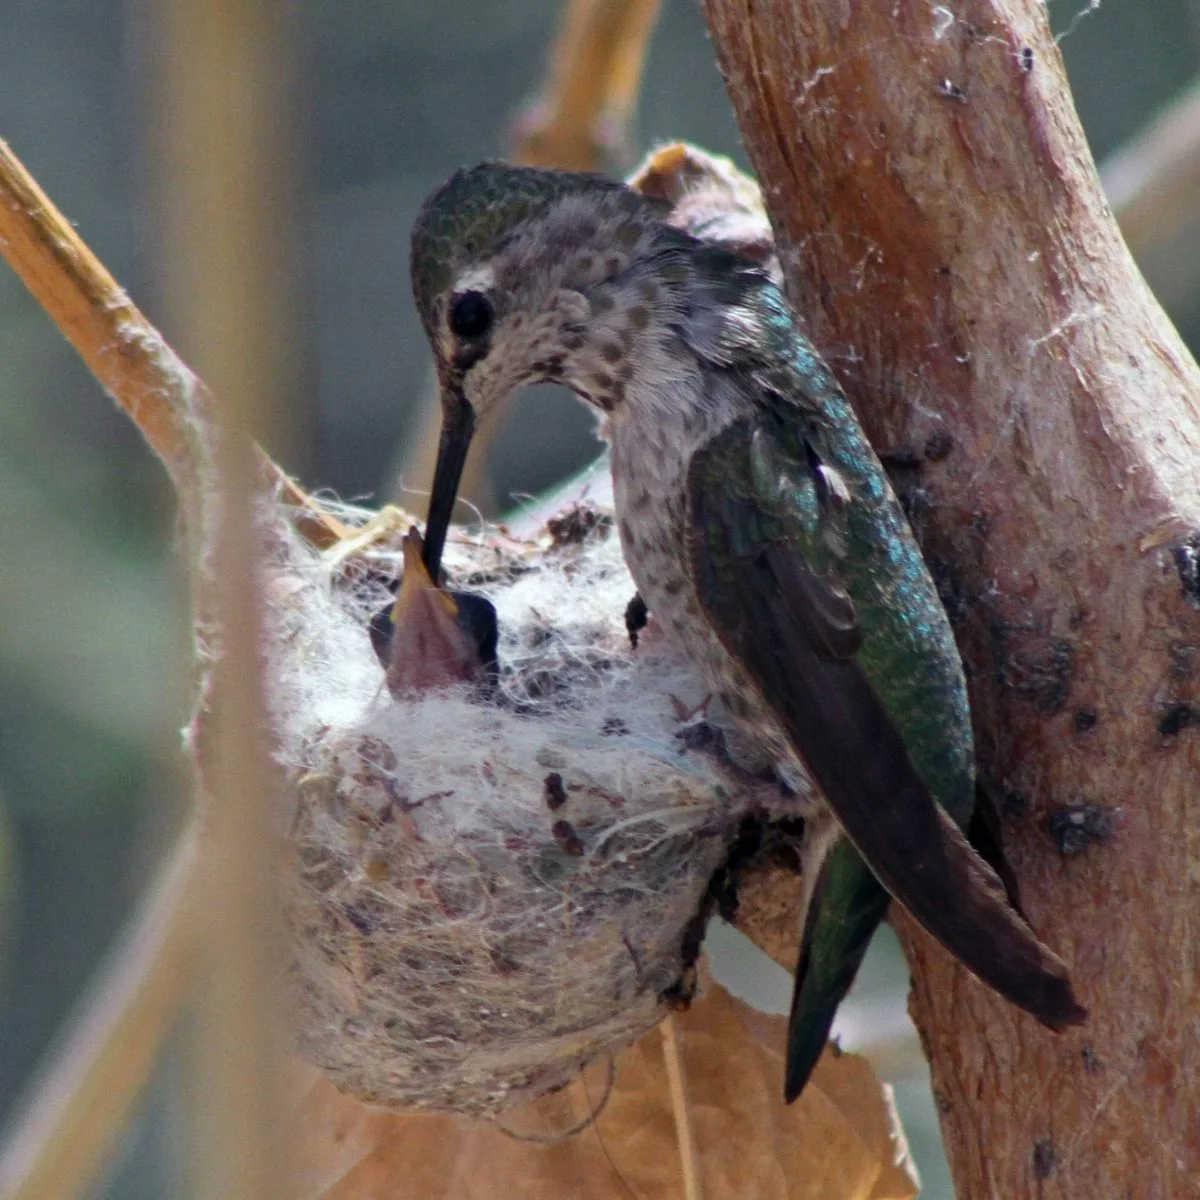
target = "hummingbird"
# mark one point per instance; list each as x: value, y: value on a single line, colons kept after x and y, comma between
x: 763, y: 535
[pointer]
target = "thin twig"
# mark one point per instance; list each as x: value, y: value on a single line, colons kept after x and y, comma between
x: 689, y: 1155
x: 81, y: 1103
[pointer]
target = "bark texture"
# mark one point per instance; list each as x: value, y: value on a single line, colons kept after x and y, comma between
x: 944, y: 233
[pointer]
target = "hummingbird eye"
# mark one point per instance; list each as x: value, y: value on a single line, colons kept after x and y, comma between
x: 471, y: 316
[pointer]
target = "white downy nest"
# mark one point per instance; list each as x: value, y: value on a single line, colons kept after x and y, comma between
x: 493, y: 886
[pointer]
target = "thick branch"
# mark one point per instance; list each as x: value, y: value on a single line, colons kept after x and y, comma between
x: 945, y: 235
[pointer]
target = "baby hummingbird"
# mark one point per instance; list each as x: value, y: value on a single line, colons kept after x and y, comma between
x: 760, y: 530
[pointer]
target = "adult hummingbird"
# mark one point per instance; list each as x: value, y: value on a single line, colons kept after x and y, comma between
x: 761, y: 531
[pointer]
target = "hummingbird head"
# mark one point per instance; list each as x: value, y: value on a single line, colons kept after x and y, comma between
x: 513, y: 273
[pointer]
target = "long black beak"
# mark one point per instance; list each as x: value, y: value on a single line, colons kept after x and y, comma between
x: 458, y: 427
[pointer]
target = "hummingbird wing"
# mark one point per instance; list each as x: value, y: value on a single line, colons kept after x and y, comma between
x: 846, y: 907
x: 816, y: 588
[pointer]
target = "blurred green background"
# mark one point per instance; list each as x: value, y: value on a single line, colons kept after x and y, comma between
x: 93, y: 640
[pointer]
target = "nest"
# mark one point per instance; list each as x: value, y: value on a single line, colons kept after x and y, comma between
x: 494, y: 884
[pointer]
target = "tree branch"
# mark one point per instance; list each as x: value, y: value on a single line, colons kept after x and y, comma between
x: 944, y: 233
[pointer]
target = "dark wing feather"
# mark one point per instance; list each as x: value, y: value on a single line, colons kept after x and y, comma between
x: 763, y: 608
x: 846, y: 907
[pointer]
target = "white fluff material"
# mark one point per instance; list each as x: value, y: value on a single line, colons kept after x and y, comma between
x: 492, y: 887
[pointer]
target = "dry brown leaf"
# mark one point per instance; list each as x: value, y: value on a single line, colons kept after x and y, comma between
x: 839, y: 1141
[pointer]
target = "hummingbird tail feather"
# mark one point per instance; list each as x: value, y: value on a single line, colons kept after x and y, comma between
x: 846, y: 908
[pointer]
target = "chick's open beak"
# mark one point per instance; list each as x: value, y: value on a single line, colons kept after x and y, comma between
x: 458, y: 427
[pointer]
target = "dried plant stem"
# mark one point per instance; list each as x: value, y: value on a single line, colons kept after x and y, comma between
x: 685, y: 1135
x: 80, y: 1105
x: 222, y: 193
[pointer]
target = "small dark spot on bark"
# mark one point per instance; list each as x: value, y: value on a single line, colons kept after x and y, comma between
x: 614, y: 727
x: 951, y: 91
x: 954, y: 596
x: 1187, y: 563
x: 1075, y: 826
x: 905, y: 458
x: 637, y: 615
x: 1176, y: 719
x: 1043, y: 1160
x: 942, y: 1101
x: 1085, y: 720
x: 565, y: 835
x: 938, y: 445
x: 1039, y: 669
x: 1091, y: 1060
x: 1013, y: 802
x: 1183, y: 660
x: 556, y: 795
x: 1025, y: 59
